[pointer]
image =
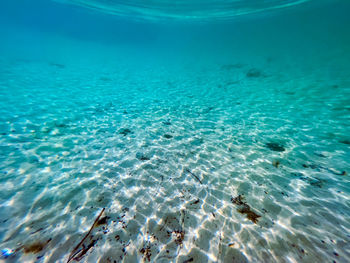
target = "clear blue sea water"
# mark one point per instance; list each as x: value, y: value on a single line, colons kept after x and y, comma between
x: 208, y: 131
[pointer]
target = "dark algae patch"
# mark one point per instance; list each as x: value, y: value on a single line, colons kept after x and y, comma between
x: 238, y: 200
x: 35, y: 247
x: 274, y: 146
x: 345, y: 142
x: 167, y: 136
x: 244, y: 208
x: 252, y: 216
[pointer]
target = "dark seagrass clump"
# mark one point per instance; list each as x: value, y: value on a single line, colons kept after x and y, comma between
x: 244, y: 208
x: 274, y: 146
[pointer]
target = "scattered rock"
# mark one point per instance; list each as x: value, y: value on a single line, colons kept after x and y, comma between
x: 274, y: 146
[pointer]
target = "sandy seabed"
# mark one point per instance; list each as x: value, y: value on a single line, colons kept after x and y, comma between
x: 231, y: 162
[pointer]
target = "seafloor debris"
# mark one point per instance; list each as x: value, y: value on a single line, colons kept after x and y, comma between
x: 167, y: 136
x: 35, y: 247
x: 316, y: 182
x: 142, y: 157
x: 276, y: 163
x: 254, y: 73
x: 338, y: 173
x: 319, y: 167
x: 188, y: 260
x: 345, y: 142
x: 147, y: 253
x: 125, y: 131
x: 312, y: 166
x: 167, y: 122
x: 274, y: 146
x: 311, y: 180
x: 238, y: 200
x: 103, y: 221
x: 244, y: 208
x: 180, y: 235
x: 81, y: 249
x: 195, y: 176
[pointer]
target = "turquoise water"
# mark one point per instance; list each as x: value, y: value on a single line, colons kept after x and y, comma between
x: 213, y: 131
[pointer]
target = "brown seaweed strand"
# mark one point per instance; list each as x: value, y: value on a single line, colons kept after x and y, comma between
x: 195, y: 176
x: 74, y: 252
